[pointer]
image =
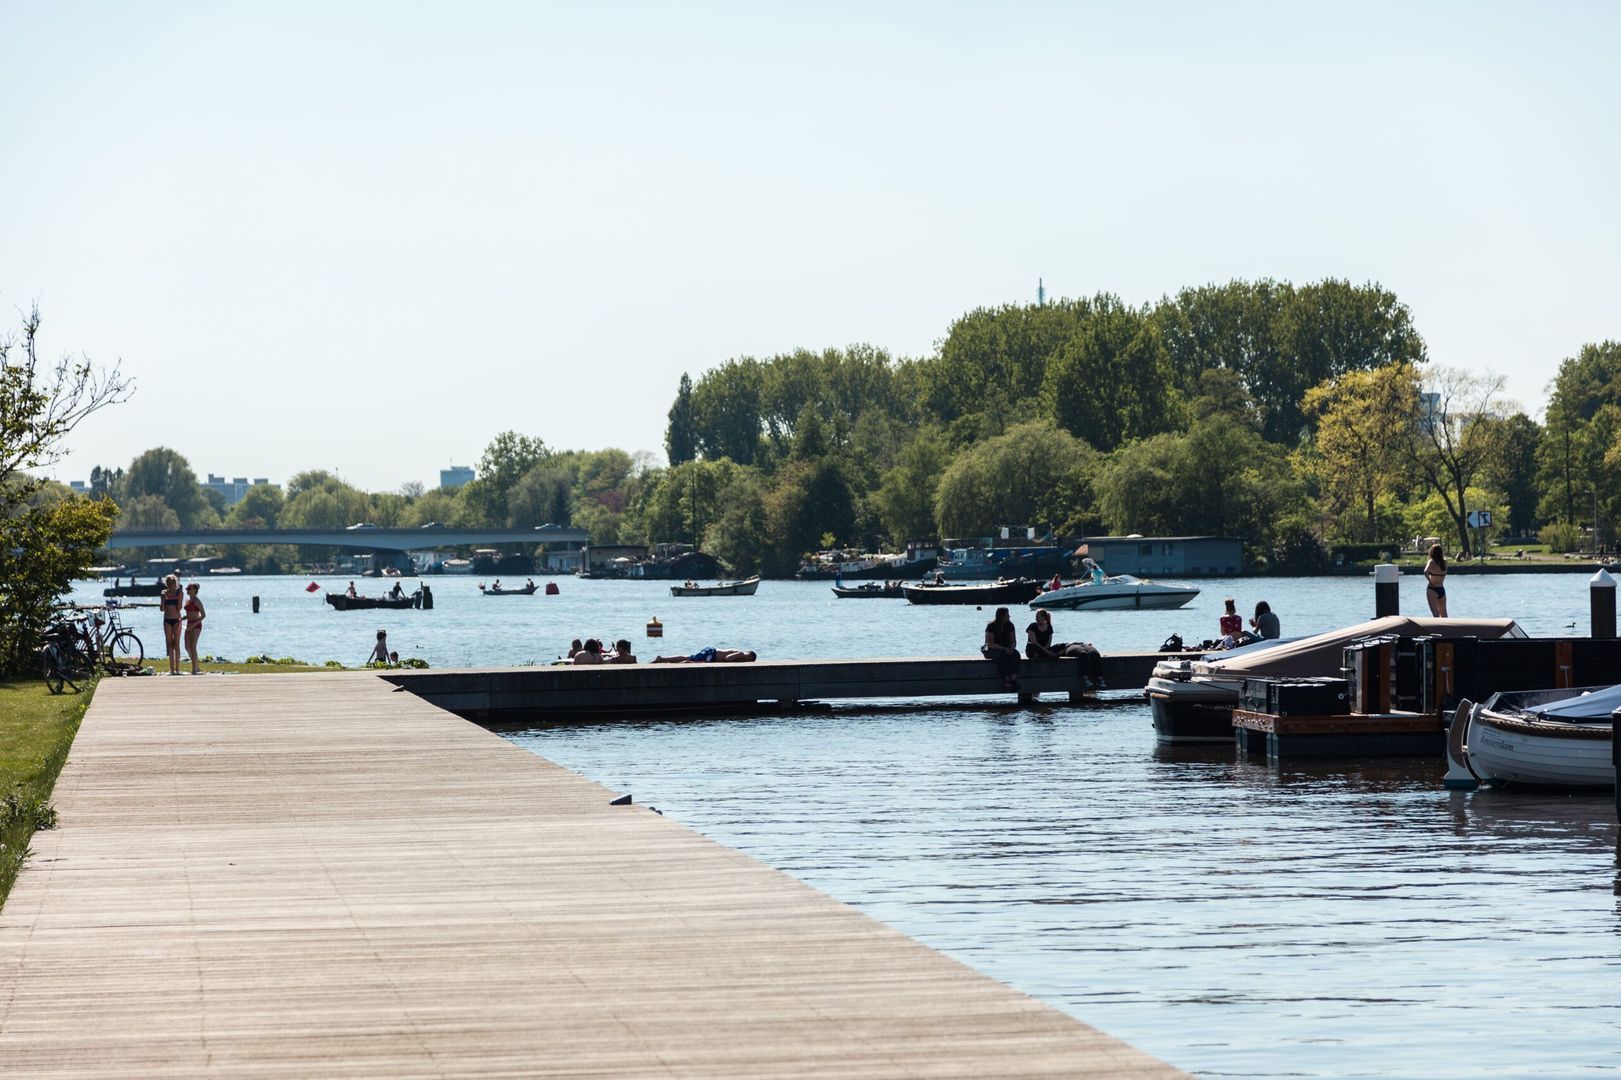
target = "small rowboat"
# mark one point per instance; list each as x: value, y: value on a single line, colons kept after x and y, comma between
x: 745, y: 587
x: 1559, y: 738
x: 341, y: 602
x: 495, y: 590
x: 875, y: 589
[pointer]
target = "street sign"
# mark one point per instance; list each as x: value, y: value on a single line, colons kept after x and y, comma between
x: 1479, y: 519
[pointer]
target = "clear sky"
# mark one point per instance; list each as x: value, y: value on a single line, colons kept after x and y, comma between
x: 368, y: 237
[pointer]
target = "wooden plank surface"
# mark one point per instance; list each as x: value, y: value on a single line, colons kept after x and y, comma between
x: 316, y: 875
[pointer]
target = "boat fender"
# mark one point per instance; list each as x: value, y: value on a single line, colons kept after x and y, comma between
x: 1460, y: 777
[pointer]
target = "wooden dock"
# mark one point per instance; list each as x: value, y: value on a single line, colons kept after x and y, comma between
x: 566, y: 694
x: 315, y: 875
x: 1349, y: 735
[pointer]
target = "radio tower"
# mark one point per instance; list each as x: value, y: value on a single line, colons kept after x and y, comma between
x: 1041, y: 293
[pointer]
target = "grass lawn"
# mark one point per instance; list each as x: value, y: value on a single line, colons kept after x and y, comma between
x: 36, y: 729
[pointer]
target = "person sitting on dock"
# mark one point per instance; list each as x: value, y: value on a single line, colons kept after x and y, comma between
x: 1002, y: 648
x: 621, y: 653
x: 1265, y: 623
x: 591, y: 653
x: 1038, y: 637
x: 1232, y: 624
x: 711, y: 655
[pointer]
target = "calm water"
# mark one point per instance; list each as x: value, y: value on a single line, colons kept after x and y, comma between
x: 1235, y: 919
x: 785, y: 619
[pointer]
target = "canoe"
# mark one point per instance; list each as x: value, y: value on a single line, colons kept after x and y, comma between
x: 527, y: 590
x: 1016, y: 591
x: 886, y: 592
x: 340, y: 602
x: 745, y: 587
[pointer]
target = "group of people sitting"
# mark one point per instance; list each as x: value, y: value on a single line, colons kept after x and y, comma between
x: 592, y: 651
x: 1263, y: 625
x: 1002, y: 645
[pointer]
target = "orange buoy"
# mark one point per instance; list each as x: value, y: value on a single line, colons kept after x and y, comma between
x: 654, y: 627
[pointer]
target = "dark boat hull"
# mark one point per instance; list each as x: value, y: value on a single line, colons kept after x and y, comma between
x: 876, y: 593
x: 527, y: 590
x: 1002, y: 592
x: 1180, y: 721
x: 341, y: 602
x: 155, y: 589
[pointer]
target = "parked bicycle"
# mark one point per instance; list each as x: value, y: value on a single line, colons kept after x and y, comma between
x: 77, y: 646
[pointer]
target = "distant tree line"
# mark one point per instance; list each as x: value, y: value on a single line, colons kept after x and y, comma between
x: 1299, y: 418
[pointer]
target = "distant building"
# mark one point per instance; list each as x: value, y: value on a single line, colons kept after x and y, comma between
x: 456, y: 476
x: 79, y: 487
x: 1181, y: 556
x: 234, y: 488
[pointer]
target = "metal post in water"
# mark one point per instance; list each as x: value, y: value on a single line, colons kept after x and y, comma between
x: 1386, y: 590
x: 256, y: 605
x: 1601, y: 604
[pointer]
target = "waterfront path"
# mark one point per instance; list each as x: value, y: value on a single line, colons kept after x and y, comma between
x: 317, y: 875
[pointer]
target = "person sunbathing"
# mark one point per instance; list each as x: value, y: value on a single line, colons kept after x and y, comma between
x: 710, y: 655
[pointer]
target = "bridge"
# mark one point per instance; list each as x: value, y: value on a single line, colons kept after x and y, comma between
x: 553, y: 536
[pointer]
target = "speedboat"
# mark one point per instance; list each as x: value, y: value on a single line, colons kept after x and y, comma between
x: 1558, y: 738
x: 1116, y: 591
x: 1193, y: 700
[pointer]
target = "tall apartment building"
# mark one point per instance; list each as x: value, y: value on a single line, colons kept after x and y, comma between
x: 456, y: 476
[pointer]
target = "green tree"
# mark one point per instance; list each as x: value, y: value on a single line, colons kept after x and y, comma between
x: 808, y: 500
x: 542, y: 495
x: 1356, y: 457
x: 727, y: 411
x: 740, y: 536
x: 684, y: 499
x: 147, y: 513
x: 993, y: 358
x: 505, y: 461
x: 1036, y: 474
x: 906, y: 497
x: 42, y: 550
x: 1110, y: 382
x: 681, y: 437
x: 167, y: 474
x: 259, y: 508
x: 1513, y: 471
x: 1448, y: 446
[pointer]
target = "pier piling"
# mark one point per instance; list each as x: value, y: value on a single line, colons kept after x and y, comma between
x: 1601, y: 604
x: 1386, y: 590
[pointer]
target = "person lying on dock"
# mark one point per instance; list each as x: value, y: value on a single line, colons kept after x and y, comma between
x: 621, y: 653
x: 710, y: 655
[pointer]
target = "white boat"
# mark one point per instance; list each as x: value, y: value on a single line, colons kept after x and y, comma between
x: 1116, y: 591
x: 457, y: 566
x: 1193, y: 700
x: 745, y: 587
x: 1557, y: 738
x: 226, y: 570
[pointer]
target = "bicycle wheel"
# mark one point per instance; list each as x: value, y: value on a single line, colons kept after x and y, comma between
x: 124, y: 651
x: 75, y: 664
x: 54, y: 681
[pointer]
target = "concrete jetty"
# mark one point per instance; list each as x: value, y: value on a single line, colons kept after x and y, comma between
x: 316, y: 875
x: 563, y: 693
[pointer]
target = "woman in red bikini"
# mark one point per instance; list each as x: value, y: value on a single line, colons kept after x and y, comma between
x: 169, y: 602
x: 194, y: 624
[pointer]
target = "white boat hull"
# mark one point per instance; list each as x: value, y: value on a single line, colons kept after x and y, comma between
x: 1116, y: 594
x: 1507, y: 752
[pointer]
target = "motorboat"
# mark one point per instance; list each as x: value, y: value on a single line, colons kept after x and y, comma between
x: 1555, y: 738
x: 344, y: 602
x: 1193, y: 699
x: 1116, y: 591
x: 1009, y: 591
x: 226, y: 570
x: 457, y: 566
x: 871, y: 590
x: 746, y: 587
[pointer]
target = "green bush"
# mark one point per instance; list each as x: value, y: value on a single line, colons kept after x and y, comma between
x: 1561, y: 536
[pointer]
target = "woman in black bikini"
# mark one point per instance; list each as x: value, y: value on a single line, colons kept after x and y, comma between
x: 194, y: 624
x: 1435, y: 573
x: 169, y: 602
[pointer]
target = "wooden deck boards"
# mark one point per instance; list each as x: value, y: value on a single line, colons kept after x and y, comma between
x: 319, y: 876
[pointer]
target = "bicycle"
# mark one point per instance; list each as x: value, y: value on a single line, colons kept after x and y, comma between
x: 76, y: 646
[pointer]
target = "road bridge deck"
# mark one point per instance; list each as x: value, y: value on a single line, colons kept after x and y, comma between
x: 313, y: 875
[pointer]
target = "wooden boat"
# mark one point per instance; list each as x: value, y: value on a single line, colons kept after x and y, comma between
x: 496, y: 590
x: 341, y: 602
x: 745, y: 587
x: 1011, y: 591
x: 870, y: 590
x: 1556, y: 738
x: 154, y: 589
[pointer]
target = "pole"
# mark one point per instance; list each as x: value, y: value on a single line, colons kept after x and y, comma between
x: 1386, y: 590
x: 1601, y: 605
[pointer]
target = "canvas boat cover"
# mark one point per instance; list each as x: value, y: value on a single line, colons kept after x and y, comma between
x: 1597, y: 705
x: 1308, y: 656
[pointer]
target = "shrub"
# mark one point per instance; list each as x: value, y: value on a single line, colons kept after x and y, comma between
x: 1560, y: 536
